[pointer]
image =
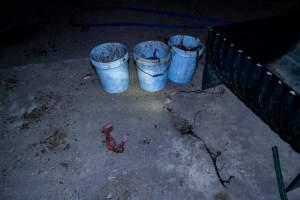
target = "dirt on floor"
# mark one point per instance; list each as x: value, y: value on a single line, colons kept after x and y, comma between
x: 183, y: 143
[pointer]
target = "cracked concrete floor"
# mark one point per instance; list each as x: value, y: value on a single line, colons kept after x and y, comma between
x: 52, y: 147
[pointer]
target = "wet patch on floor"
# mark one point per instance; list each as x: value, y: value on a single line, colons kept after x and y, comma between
x: 26, y: 112
x: 8, y: 84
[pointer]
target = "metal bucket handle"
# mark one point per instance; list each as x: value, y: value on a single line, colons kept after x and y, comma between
x: 156, y: 75
x: 200, y: 52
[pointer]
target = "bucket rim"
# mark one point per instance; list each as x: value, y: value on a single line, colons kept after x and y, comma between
x: 198, y: 40
x: 151, y: 62
x: 110, y: 64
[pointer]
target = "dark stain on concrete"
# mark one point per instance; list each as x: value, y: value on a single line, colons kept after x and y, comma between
x: 55, y: 140
x: 8, y: 84
x: 34, y: 116
x: 64, y: 164
x: 221, y: 196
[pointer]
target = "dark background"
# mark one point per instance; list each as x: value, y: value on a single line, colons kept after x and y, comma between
x: 40, y: 31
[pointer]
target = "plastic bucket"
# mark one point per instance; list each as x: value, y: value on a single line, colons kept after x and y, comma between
x: 111, y: 63
x: 186, y: 51
x: 152, y: 60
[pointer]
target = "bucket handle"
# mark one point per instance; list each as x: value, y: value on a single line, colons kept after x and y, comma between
x: 199, y: 54
x: 156, y: 75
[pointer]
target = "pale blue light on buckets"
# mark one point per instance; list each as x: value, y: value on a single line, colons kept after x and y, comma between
x: 111, y: 64
x: 184, y: 61
x: 152, y: 60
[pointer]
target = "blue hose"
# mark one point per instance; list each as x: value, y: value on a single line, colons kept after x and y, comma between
x: 134, y: 24
x: 209, y: 21
x: 159, y: 12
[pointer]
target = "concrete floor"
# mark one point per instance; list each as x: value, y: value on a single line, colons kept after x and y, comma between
x: 158, y: 162
x: 51, y: 118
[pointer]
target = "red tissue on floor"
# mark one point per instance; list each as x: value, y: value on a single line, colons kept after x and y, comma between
x: 110, y: 142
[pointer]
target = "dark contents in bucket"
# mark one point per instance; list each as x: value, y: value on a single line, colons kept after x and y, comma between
x: 181, y: 46
x: 110, y: 55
